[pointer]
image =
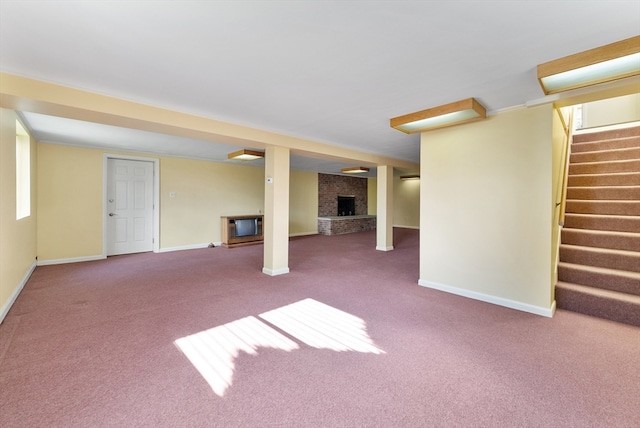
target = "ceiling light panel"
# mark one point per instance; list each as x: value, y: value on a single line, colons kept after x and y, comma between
x: 464, y: 111
x: 604, y: 64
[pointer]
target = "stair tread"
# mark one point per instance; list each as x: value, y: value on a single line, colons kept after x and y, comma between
x: 602, y: 250
x: 611, y: 144
x: 624, y: 207
x: 606, y: 232
x: 580, y: 136
x: 600, y: 292
x: 606, y: 216
x: 625, y: 201
x: 607, y: 271
x: 629, y: 176
x: 602, y: 222
x: 604, y: 179
x: 626, y: 186
x: 631, y: 139
x: 626, y: 174
x: 616, y: 150
x: 594, y: 135
x: 606, y: 162
x: 613, y: 239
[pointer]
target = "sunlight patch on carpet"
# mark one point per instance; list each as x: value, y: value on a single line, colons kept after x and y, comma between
x: 213, y: 352
x: 322, y: 326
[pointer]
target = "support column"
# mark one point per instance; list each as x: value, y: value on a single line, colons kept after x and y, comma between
x: 276, y: 211
x: 384, y: 221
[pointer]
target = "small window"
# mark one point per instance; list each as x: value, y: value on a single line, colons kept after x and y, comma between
x: 23, y: 172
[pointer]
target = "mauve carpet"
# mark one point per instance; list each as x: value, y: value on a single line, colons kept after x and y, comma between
x: 96, y: 344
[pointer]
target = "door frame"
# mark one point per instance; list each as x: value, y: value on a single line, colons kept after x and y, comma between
x: 156, y: 197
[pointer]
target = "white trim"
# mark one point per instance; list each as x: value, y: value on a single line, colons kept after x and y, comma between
x: 389, y: 248
x: 5, y: 308
x: 275, y: 272
x: 567, y: 95
x: 544, y: 100
x: 525, y: 307
x: 188, y: 247
x: 506, y: 109
x: 156, y: 197
x: 406, y: 227
x: 70, y: 260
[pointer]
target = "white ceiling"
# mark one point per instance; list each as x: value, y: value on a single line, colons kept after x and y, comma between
x: 334, y: 72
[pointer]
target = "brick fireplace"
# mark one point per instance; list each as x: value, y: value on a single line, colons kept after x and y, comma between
x: 331, y: 220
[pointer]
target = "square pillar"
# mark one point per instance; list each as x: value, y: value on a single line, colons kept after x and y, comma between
x: 384, y: 221
x: 276, y: 211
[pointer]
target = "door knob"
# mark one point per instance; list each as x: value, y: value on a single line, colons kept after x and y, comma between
x: 112, y: 214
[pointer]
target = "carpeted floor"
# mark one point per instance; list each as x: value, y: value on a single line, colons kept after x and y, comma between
x: 347, y: 339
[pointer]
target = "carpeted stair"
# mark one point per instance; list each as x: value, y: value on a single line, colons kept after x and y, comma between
x: 599, y: 269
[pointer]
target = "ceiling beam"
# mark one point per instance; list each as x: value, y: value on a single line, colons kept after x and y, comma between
x: 24, y: 94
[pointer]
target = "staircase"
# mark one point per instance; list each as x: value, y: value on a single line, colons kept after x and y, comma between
x: 599, y: 269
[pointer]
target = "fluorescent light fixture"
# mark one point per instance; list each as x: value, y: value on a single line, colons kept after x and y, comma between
x: 463, y: 111
x: 355, y: 170
x: 410, y: 177
x: 245, y: 155
x: 604, y: 64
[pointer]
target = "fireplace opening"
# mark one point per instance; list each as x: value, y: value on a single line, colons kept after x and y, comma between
x: 346, y: 205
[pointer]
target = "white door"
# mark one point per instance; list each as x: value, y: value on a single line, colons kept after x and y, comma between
x: 129, y: 206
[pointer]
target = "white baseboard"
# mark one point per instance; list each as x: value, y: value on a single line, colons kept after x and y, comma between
x: 390, y: 248
x: 525, y: 307
x: 187, y: 247
x: 292, y: 235
x: 70, y: 260
x: 4, y: 310
x: 272, y: 272
x: 406, y: 227
x: 217, y: 244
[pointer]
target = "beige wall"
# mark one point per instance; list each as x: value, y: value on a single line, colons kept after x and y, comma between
x: 18, y: 246
x: 204, y: 191
x: 70, y: 201
x: 303, y: 203
x: 372, y: 196
x: 611, y: 111
x: 406, y: 203
x: 70, y: 182
x: 485, y: 214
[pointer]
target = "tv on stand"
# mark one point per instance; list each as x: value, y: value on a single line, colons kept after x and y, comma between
x: 241, y: 230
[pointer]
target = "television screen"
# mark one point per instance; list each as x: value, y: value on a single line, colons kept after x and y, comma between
x: 246, y: 227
